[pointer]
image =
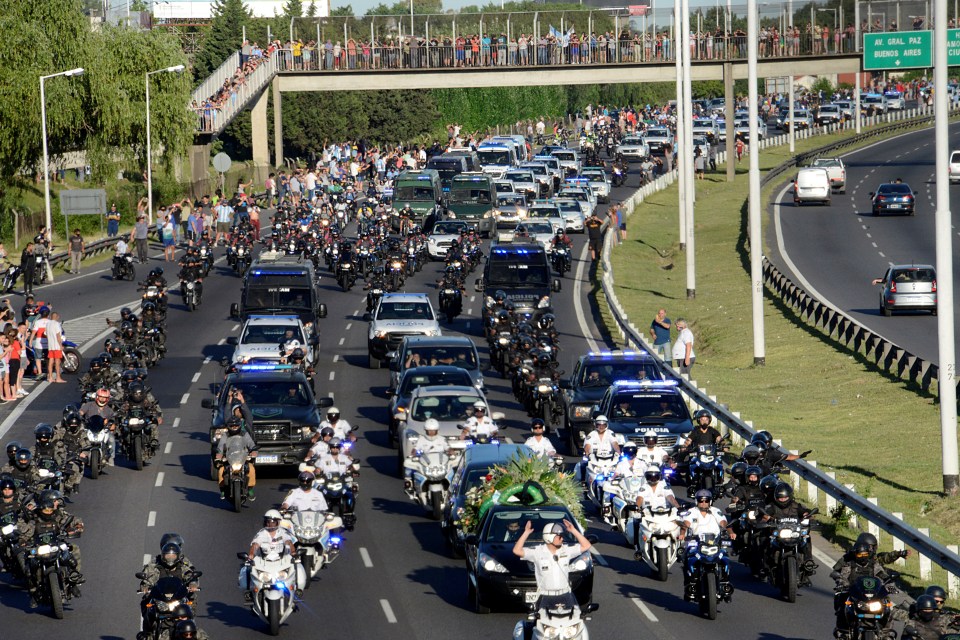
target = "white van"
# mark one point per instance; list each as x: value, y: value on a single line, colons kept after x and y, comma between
x: 954, y: 169
x: 812, y: 185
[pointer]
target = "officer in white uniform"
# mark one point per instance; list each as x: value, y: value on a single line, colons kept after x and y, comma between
x: 551, y: 562
x: 479, y: 424
x: 539, y: 443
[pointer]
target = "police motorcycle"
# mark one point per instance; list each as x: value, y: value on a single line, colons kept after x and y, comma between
x: 346, y: 274
x: 784, y: 553
x: 49, y: 563
x: 375, y: 292
x: 98, y: 432
x: 451, y: 297
x: 556, y: 620
x: 340, y: 491
x: 430, y: 485
x: 10, y: 554
x: 242, y: 257
x: 205, y: 253
x: 658, y: 529
x: 751, y: 535
x: 161, y: 604
x: 706, y: 467
x: 600, y: 468
x: 275, y: 579
x: 560, y: 258
x: 134, y: 441
x: 191, y: 287
x: 123, y: 268
x: 154, y: 292
x: 395, y: 272
x: 317, y: 538
x: 710, y: 576
x: 867, y: 608
x: 619, y: 174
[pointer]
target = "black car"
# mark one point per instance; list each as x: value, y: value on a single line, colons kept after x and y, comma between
x: 592, y: 375
x: 470, y: 472
x: 635, y: 407
x: 285, y: 412
x: 496, y: 578
x: 893, y: 197
x: 415, y: 378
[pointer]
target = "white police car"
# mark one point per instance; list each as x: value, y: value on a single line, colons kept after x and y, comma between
x: 263, y: 339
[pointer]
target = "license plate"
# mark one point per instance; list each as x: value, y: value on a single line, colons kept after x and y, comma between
x: 268, y: 459
x: 894, y: 206
x: 530, y: 597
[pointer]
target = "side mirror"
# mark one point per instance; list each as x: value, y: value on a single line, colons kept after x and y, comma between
x: 497, y: 415
x: 590, y: 607
x: 592, y: 538
x: 478, y: 285
x: 235, y: 313
x: 555, y: 286
x: 471, y: 540
x: 321, y: 310
x: 324, y: 402
x: 566, y: 384
x: 207, y: 403
x: 390, y: 392
x: 233, y: 341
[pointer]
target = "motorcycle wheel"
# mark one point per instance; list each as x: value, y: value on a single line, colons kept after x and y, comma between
x: 436, y: 505
x: 71, y: 360
x: 789, y: 587
x: 707, y: 483
x: 546, y: 412
x: 138, y: 452
x: 236, y: 495
x: 708, y: 596
x: 662, y: 564
x: 56, y: 597
x: 273, y: 616
x: 94, y: 464
x: 307, y: 562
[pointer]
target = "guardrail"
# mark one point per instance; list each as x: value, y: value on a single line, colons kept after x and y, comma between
x: 817, y: 481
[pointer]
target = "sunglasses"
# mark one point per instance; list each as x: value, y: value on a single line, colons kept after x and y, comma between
x: 699, y: 500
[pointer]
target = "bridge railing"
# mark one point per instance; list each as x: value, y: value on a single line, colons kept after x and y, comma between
x: 822, y: 488
x: 234, y: 91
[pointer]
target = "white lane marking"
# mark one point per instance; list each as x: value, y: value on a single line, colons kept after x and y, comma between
x: 470, y: 311
x: 332, y: 375
x: 235, y: 327
x: 176, y: 423
x: 388, y: 611
x: 824, y: 559
x: 356, y: 312
x: 581, y: 319
x: 159, y: 481
x: 349, y: 324
x: 644, y: 608
x: 147, y: 558
x: 341, y: 341
x: 336, y: 357
x: 195, y: 377
x: 185, y: 397
x: 151, y: 518
x: 882, y: 255
x: 868, y: 235
x: 222, y: 342
x: 365, y: 556
x: 207, y: 360
x: 874, y: 244
x: 599, y: 558
x: 330, y: 394
x: 168, y: 447
x: 473, y: 298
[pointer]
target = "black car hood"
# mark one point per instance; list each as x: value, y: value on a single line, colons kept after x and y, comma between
x: 502, y: 552
x: 274, y: 412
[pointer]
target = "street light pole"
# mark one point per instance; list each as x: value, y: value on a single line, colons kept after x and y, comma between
x: 46, y: 158
x: 177, y: 69
x: 756, y: 232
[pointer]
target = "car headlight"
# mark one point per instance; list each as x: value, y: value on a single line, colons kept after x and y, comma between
x: 380, y: 333
x: 522, y: 213
x: 582, y: 410
x: 544, y: 302
x: 582, y: 562
x: 432, y: 332
x: 490, y: 565
x: 487, y: 214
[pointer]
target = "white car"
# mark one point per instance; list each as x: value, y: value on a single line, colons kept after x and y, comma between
x: 511, y: 209
x: 954, y: 170
x: 599, y: 182
x: 539, y: 230
x: 442, y: 236
x: 894, y: 100
x: 546, y: 211
x: 585, y: 196
x: 572, y: 213
x: 263, y: 336
x: 633, y: 147
x: 398, y: 315
x: 835, y: 171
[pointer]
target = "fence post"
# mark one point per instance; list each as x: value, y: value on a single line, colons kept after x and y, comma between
x: 953, y: 582
x: 897, y: 542
x: 812, y: 488
x: 831, y: 501
x: 853, y: 516
x: 925, y: 567
x: 871, y: 527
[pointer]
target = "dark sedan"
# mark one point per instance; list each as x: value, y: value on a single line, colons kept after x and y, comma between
x: 498, y: 579
x: 894, y: 197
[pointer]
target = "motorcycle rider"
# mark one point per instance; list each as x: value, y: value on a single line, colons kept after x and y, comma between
x: 341, y: 428
x: 188, y: 630
x: 137, y: 397
x: 47, y: 446
x: 744, y: 494
x: 928, y: 622
x: 191, y: 270
x: 539, y: 443
x: 50, y: 517
x: 705, y: 519
x: 333, y: 462
x: 23, y: 472
x: 883, y: 557
x: 863, y: 564
x: 272, y: 538
x: 169, y: 563
x: 703, y: 433
x: 479, y: 424
x: 236, y: 440
x: 322, y: 446
x: 771, y: 454
x: 100, y: 406
x: 597, y: 441
x: 651, y: 452
x: 12, y: 447
x: 656, y: 494
x: 561, y: 238
x: 431, y: 442
x: 304, y: 497
x: 551, y: 561
x: 784, y: 506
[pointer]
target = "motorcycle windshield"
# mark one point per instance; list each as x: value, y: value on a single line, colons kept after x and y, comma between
x: 307, y: 519
x: 236, y: 456
x: 169, y: 589
x: 434, y: 460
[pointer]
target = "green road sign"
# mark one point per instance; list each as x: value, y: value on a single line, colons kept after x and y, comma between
x: 900, y: 50
x: 953, y: 47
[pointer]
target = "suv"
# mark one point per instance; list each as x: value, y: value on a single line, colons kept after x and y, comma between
x: 592, y: 375
x: 635, y: 406
x: 398, y: 315
x: 836, y: 172
x: 521, y: 269
x: 262, y: 339
x: 421, y: 351
x: 279, y: 284
x: 829, y: 114
x: 414, y: 378
x: 285, y: 412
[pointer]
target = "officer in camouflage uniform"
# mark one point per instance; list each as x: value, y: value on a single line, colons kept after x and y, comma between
x: 52, y: 518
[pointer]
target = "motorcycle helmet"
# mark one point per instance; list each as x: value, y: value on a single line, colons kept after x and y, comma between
x: 546, y: 321
x: 125, y: 313
x: 499, y: 296
x: 44, y: 433
x: 298, y: 355
x: 551, y: 531
x: 106, y: 356
x: 149, y: 307
x: 136, y: 391
x: 170, y: 554
x: 537, y: 423
x: 128, y: 377
x: 737, y: 470
x: 233, y: 425
x: 650, y: 438
x: 525, y: 328
x: 868, y: 539
x: 600, y: 420
x: 95, y: 365
x: 751, y: 454
x: 70, y: 409
x: 126, y: 329
x: 704, y: 494
x: 432, y: 424
x: 479, y: 406
x: 305, y: 480
x: 700, y: 414
x: 861, y: 554
x: 762, y: 439
x: 50, y: 500
x: 271, y: 520
x: 543, y: 360
x: 326, y: 432
x: 335, y: 443
x: 767, y: 486
x: 183, y: 612
x: 926, y: 607
x: 23, y: 459
x: 103, y: 396
x: 936, y: 592
x: 752, y: 475
x: 12, y: 447
x: 653, y: 474
x: 156, y: 272
x: 783, y: 495
x: 629, y: 451
x: 333, y: 414
x: 526, y: 343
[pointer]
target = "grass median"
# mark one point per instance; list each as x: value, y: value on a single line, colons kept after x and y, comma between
x: 874, y: 431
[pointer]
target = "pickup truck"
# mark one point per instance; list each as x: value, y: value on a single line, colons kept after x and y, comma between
x: 836, y: 172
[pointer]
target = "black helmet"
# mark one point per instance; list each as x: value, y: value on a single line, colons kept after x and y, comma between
x: 701, y: 413
x: 50, y: 499
x: 234, y: 424
x: 70, y: 409
x: 23, y: 459
x: 938, y: 593
x: 127, y: 377
x: 737, y: 470
x: 546, y: 321
x: 170, y: 554
x: 537, y: 423
x: 183, y: 612
x: 751, y: 454
x: 629, y: 450
x: 767, y: 486
x: 525, y: 328
x: 862, y: 553
x: 752, y: 470
x: 305, y: 479
x: 95, y: 365
x: 125, y: 313
x: 926, y: 607
x: 783, y: 494
x: 43, y: 432
x: 127, y: 329
x: 327, y: 432
x: 499, y: 296
x: 137, y: 391
x: 156, y: 271
x: 12, y: 447
x: 868, y: 539
x: 149, y: 306
x: 298, y: 354
x: 6, y: 482
x: 106, y: 356
x: 543, y: 359
x: 185, y: 630
x: 762, y: 439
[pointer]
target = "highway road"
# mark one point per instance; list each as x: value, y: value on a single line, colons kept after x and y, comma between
x: 834, y: 252
x: 394, y: 578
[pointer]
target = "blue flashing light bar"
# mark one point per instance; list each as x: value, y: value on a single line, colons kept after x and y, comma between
x: 266, y: 316
x: 613, y: 353
x: 513, y: 250
x: 264, y: 367
x: 646, y: 383
x: 272, y: 272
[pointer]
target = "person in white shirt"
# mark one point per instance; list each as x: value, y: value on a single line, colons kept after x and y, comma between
x: 539, y: 443
x: 705, y: 519
x: 305, y: 497
x: 551, y: 561
x: 341, y: 428
x: 683, y: 355
x: 272, y: 538
x: 430, y: 442
x: 651, y: 453
x: 656, y: 494
x: 597, y: 441
x: 121, y: 248
x: 334, y: 462
x: 322, y: 445
x: 479, y: 424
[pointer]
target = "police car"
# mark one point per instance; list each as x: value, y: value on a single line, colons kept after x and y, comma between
x: 636, y: 406
x: 264, y: 337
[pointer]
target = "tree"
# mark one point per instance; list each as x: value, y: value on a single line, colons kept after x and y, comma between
x: 293, y: 8
x: 312, y: 9
x: 225, y: 37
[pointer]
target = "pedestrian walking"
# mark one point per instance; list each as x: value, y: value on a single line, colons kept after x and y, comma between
x: 138, y: 237
x: 683, y: 355
x: 739, y: 149
x: 660, y: 332
x: 75, y: 251
x: 168, y: 238
x: 113, y: 221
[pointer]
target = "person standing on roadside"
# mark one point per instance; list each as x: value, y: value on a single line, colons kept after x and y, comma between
x: 75, y: 249
x: 113, y: 221
x: 594, y: 226
x: 138, y: 237
x: 29, y: 267
x: 683, y: 355
x: 224, y: 217
x: 54, y: 348
x: 660, y: 332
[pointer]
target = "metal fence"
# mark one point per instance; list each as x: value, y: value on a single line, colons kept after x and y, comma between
x: 821, y: 487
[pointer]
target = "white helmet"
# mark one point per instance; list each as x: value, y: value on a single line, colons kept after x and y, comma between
x: 432, y: 424
x: 551, y: 531
x: 601, y: 418
x: 479, y: 404
x: 290, y: 345
x: 272, y: 514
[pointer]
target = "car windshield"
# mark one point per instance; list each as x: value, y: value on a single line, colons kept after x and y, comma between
x: 544, y: 212
x: 518, y: 176
x: 565, y: 155
x: 404, y: 311
x: 512, y: 273
x: 824, y: 162
x: 873, y: 99
x: 829, y: 108
x: 570, y: 205
x: 458, y: 356
x: 479, y: 195
x: 440, y: 378
x: 271, y: 333
x: 444, y: 408
x: 538, y: 169
x: 657, y: 133
x: 516, y: 200
x: 648, y: 405
x: 448, y: 228
x: 700, y: 141
x: 632, y: 140
x: 894, y: 188
x: 594, y: 176
x: 603, y: 374
x: 493, y: 156
x: 506, y: 526
x: 537, y: 228
x: 503, y: 187
x: 576, y: 195
x: 277, y: 298
x: 417, y: 193
x: 285, y: 392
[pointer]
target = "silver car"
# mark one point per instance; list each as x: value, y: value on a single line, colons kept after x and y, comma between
x: 908, y: 287
x: 633, y: 147
x: 449, y: 405
x: 511, y: 209
x: 572, y: 213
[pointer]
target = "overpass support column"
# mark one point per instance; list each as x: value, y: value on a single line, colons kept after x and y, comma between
x: 258, y: 130
x: 277, y: 124
x: 728, y: 99
x: 199, y: 160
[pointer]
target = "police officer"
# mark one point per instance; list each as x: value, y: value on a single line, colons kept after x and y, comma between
x: 538, y: 442
x: 705, y: 519
x: 479, y: 424
x: 169, y: 563
x: 321, y: 447
x: 551, y: 561
x: 100, y: 406
x: 341, y: 428
x: 600, y: 440
x: 784, y: 506
x: 50, y: 517
x: 928, y: 622
x: 305, y: 497
x: 272, y: 538
x: 23, y: 472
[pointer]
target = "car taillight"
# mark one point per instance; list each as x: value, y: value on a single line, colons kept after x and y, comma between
x: 893, y: 287
x: 933, y: 286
